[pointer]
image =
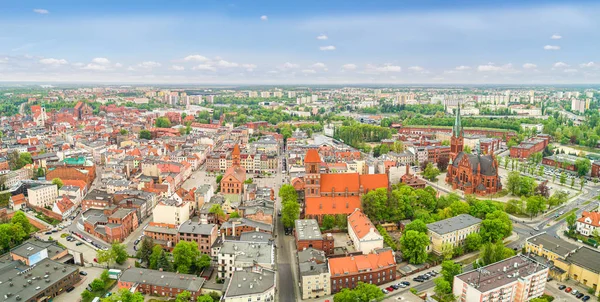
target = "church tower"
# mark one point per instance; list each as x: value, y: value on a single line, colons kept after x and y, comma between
x: 457, y: 141
x: 312, y: 176
x: 235, y: 156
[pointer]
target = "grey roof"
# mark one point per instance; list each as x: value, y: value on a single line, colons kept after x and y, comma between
x: 255, y: 237
x: 586, y: 257
x: 191, y: 227
x: 98, y: 195
x: 308, y: 229
x: 453, y: 224
x: 312, y: 268
x: 250, y: 281
x: 553, y: 244
x: 485, y: 161
x: 311, y: 254
x: 501, y: 273
x: 40, y: 187
x: 260, y: 252
x: 33, y: 246
x: 187, y: 282
x: 246, y: 222
x: 12, y: 270
x: 121, y: 213
x: 161, y: 230
x: 203, y: 189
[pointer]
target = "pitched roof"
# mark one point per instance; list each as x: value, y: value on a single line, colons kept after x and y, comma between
x: 453, y: 224
x: 594, y: 216
x: 331, y: 205
x: 361, y: 224
x: 312, y: 156
x: 361, y: 263
x: 340, y: 182
x: 373, y: 181
x: 235, y: 172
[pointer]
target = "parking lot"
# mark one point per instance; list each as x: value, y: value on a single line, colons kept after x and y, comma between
x: 553, y: 288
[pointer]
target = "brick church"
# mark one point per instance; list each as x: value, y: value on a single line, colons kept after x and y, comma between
x: 473, y: 174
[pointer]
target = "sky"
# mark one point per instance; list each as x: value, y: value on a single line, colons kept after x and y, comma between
x: 301, y: 42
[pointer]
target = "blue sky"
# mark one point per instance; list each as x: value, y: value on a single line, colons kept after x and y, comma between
x: 301, y: 42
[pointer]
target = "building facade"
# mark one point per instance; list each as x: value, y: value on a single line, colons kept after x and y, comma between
x: 308, y: 235
x: 452, y: 231
x: 376, y: 268
x: 363, y: 233
x: 42, y: 196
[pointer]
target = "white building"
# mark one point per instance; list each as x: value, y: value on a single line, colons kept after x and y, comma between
x: 42, y: 196
x: 363, y: 233
x: 251, y: 284
x: 171, y: 211
x: 237, y: 255
x: 587, y: 223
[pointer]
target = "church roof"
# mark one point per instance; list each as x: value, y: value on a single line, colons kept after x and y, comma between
x: 312, y: 156
x: 457, y: 128
x: 486, y: 162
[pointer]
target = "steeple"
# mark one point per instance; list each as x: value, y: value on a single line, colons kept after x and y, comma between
x: 457, y: 128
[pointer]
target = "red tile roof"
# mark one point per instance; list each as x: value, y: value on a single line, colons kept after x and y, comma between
x: 373, y: 181
x: 331, y: 205
x: 361, y: 263
x: 594, y: 216
x: 339, y: 182
x: 360, y: 224
x: 312, y: 156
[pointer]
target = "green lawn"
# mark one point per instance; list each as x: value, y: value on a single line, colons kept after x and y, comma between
x: 566, y: 214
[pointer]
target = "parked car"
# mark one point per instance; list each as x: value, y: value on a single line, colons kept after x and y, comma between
x: 83, y: 273
x: 561, y: 287
x: 390, y: 289
x: 396, y: 286
x: 574, y: 292
x: 568, y: 290
x: 78, y: 243
x: 405, y: 283
x: 48, y: 233
x: 585, y: 298
x: 579, y: 295
x: 384, y: 291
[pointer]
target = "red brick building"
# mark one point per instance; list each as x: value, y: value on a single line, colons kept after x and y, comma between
x: 159, y: 283
x: 473, y: 174
x: 563, y: 161
x: 82, y: 110
x: 110, y: 224
x: 595, y: 169
x: 73, y: 169
x: 530, y: 146
x: 308, y: 234
x: 376, y: 268
x: 257, y: 125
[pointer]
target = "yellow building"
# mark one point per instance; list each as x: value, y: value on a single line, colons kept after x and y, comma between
x: 451, y: 232
x: 582, y: 266
x: 549, y: 247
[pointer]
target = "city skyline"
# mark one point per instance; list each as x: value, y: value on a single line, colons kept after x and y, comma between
x: 273, y: 43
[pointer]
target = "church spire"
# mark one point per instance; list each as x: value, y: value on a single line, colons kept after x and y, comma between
x: 457, y: 128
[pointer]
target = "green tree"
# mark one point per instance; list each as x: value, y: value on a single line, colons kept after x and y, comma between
x: 513, y: 183
x: 145, y: 250
x: 163, y: 262
x: 216, y: 210
x: 20, y: 218
x: 154, y: 256
x: 443, y: 290
x: 24, y: 159
x: 413, y: 245
x: 459, y: 207
x: 104, y: 276
x: 107, y: 257
x: 535, y: 205
x: 184, y: 296
x: 449, y: 270
x: 289, y: 213
x: 431, y: 173
x: 124, y: 295
x: 473, y: 242
x: 328, y: 222
x: 145, y: 134
x: 447, y: 251
x: 583, y: 166
x: 467, y: 149
x: 87, y: 295
x: 185, y: 255
x: 571, y: 219
x: 416, y: 225
x: 288, y: 192
x: 119, y: 251
x: 203, y: 262
x: 495, y: 227
x: 162, y: 122
x: 572, y: 182
x: 40, y: 172
x: 374, y: 204
x: 58, y: 182
x: 494, y: 252
x: 205, y: 298
x: 234, y: 214
x: 97, y: 285
x: 248, y: 181
x: 123, y: 132
x: 563, y: 178
x: 363, y: 292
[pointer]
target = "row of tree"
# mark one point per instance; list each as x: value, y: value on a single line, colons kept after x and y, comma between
x: 186, y: 258
x: 290, y: 210
x: 15, y: 232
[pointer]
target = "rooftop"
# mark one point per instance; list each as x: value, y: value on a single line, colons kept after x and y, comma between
x: 552, y: 244
x: 250, y: 281
x: 501, y: 273
x: 453, y: 224
x: 260, y: 252
x: 187, y: 282
x: 191, y: 227
x: 308, y: 229
x: 587, y: 258
x: 361, y: 263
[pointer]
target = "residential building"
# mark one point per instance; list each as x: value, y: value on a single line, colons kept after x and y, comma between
x: 109, y: 224
x: 530, y: 146
x: 237, y: 226
x: 33, y: 251
x: 519, y: 279
x: 588, y: 223
x: 452, y: 231
x: 473, y: 174
x: 308, y: 235
x: 563, y: 161
x: 315, y: 279
x: 203, y: 234
x: 581, y: 266
x: 96, y: 199
x: 376, y: 268
x: 549, y: 247
x: 363, y: 233
x: 236, y: 255
x: 63, y: 207
x: 42, y: 196
x: 254, y: 283
x: 171, y: 211
x: 160, y: 283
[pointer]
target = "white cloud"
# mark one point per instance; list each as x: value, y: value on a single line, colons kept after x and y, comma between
x: 329, y: 47
x: 529, y: 66
x: 570, y: 70
x: 53, y: 62
x: 3, y: 60
x: 204, y: 67
x: 101, y: 61
x: 288, y: 65
x: 551, y: 47
x: 319, y: 65
x: 462, y: 67
x: 588, y: 64
x: 149, y: 64
x: 384, y: 68
x: 196, y: 58
x: 177, y: 68
x: 41, y: 11
x: 349, y: 67
x: 309, y: 71
x: 416, y: 68
x: 560, y: 65
x: 226, y: 64
x: 249, y: 67
x: 264, y: 18
x: 490, y: 67
x: 118, y: 65
x: 93, y: 66
x: 322, y: 37
x: 556, y: 37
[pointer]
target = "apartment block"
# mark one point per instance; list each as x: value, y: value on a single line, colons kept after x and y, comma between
x: 451, y: 231
x: 42, y: 196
